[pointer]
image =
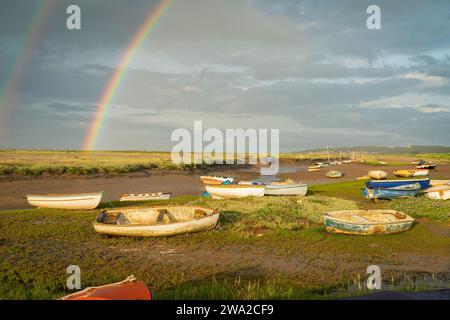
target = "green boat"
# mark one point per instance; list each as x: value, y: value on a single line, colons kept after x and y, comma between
x: 367, y: 222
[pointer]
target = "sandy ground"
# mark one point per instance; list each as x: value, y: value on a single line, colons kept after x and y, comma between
x: 13, y: 189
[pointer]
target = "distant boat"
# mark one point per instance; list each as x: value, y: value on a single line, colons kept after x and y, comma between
x: 155, y: 221
x: 421, y: 172
x: 128, y: 289
x: 377, y: 174
x: 334, y: 174
x: 424, y: 183
x: 426, y: 165
x: 440, y: 192
x: 403, y: 191
x: 146, y: 196
x: 81, y: 201
x: 367, y: 222
x: 251, y: 183
x: 404, y: 173
x: 286, y: 189
x: 215, y: 179
x: 235, y: 191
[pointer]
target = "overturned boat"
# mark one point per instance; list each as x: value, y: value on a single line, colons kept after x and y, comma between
x: 377, y: 174
x: 155, y: 221
x: 439, y: 192
x: 81, y: 201
x: 367, y: 222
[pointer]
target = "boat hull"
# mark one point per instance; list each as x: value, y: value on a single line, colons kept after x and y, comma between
x: 424, y: 183
x: 235, y: 191
x: 441, y: 192
x: 377, y: 174
x: 84, y: 201
x: 286, y: 190
x: 421, y: 173
x: 404, y: 173
x: 382, y: 193
x: 215, y: 180
x: 146, y: 197
x: 335, y: 224
x: 145, y: 225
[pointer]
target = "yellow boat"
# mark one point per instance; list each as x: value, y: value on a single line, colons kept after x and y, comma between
x: 404, y: 173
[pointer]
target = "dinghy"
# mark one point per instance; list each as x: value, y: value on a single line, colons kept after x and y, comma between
x: 424, y: 183
x: 155, y: 221
x: 404, y: 173
x: 146, y: 196
x: 377, y: 174
x: 128, y: 289
x: 403, y: 191
x: 235, y: 191
x: 286, y: 189
x: 434, y: 183
x: 426, y: 165
x: 215, y: 179
x: 367, y: 222
x: 440, y: 192
x: 82, y: 201
x: 334, y: 174
x: 421, y: 172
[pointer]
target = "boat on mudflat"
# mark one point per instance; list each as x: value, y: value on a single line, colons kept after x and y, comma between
x: 404, y: 173
x: 155, y: 221
x: 403, y: 191
x: 235, y: 191
x: 421, y: 172
x: 215, y: 179
x: 334, y: 174
x: 440, y: 192
x: 367, y: 222
x: 286, y: 189
x: 146, y: 196
x: 128, y: 289
x: 81, y: 201
x: 426, y: 165
x: 424, y: 183
x: 377, y: 174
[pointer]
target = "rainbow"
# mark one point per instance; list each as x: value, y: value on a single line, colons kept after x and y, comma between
x: 117, y: 77
x: 29, y: 39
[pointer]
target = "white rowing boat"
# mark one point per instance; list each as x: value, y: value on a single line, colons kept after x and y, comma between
x: 146, y: 196
x: 235, y: 191
x: 155, y: 221
x: 82, y: 201
x: 440, y: 192
x: 377, y: 174
x: 292, y: 189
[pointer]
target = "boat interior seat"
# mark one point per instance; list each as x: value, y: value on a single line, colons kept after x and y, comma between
x: 163, y: 213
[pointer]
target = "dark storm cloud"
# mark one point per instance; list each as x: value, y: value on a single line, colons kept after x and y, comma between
x: 310, y: 68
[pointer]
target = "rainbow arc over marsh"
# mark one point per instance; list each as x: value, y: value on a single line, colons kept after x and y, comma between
x: 114, y: 82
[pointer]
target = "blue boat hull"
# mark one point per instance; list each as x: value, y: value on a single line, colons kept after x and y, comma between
x: 381, y: 193
x: 424, y: 183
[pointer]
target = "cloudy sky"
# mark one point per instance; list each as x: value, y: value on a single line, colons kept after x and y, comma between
x: 309, y: 68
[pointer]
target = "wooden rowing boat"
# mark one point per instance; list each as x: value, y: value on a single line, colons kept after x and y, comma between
x: 439, y: 182
x: 155, y: 221
x: 334, y: 174
x: 421, y: 172
x: 377, y: 174
x: 82, y: 201
x: 287, y: 189
x: 235, y: 191
x: 402, y: 191
x: 215, y: 179
x: 404, y: 173
x: 424, y: 183
x: 440, y: 192
x: 367, y: 222
x: 146, y: 196
x: 128, y: 289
